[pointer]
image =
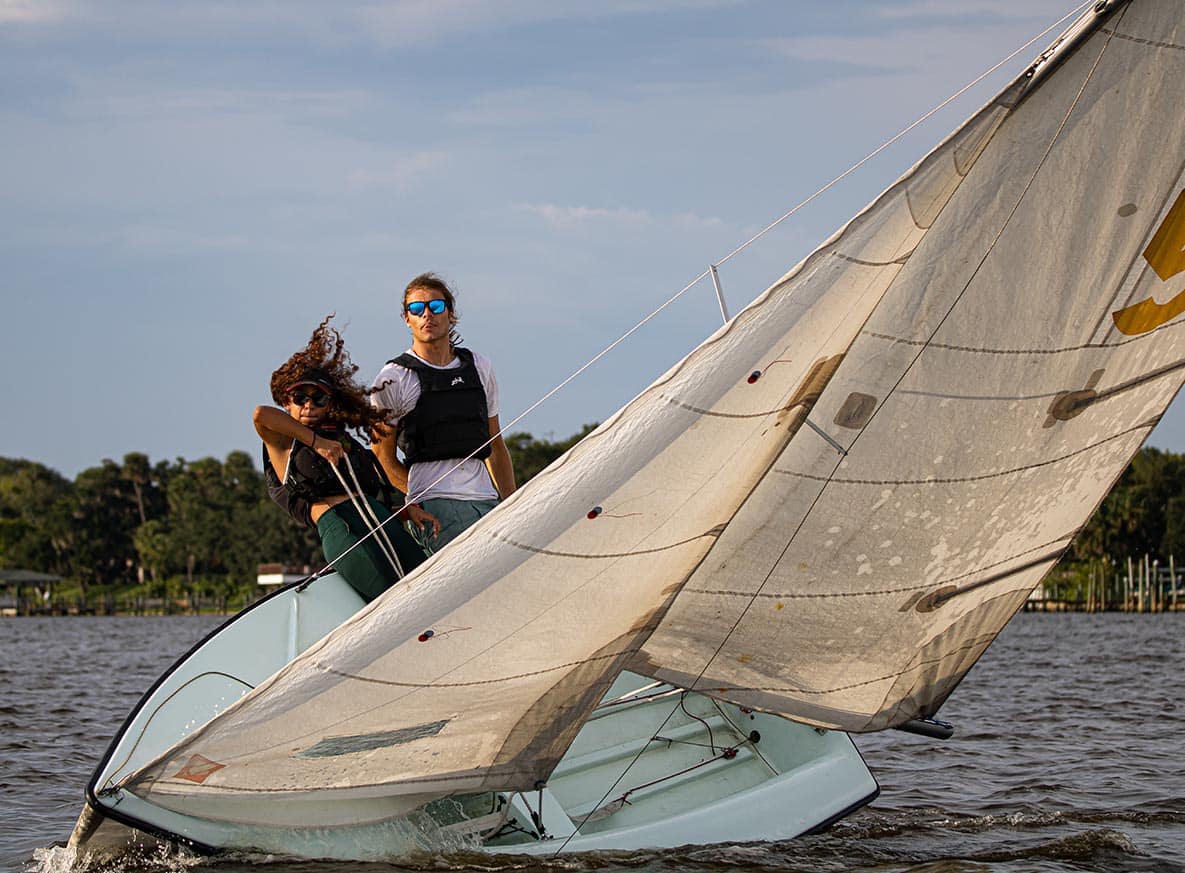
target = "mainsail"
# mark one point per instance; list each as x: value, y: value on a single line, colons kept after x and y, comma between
x: 976, y: 366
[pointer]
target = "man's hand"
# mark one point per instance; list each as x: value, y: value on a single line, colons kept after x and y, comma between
x: 419, y: 518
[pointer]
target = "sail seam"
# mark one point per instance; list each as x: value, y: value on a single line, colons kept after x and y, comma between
x: 774, y: 689
x: 723, y: 592
x: 711, y: 413
x: 1106, y: 394
x: 956, y: 480
x: 1142, y: 41
x: 487, y: 772
x: 990, y: 351
x: 397, y: 684
x: 715, y: 532
x: 901, y: 260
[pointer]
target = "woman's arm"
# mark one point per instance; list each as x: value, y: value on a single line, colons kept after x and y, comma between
x: 278, y: 429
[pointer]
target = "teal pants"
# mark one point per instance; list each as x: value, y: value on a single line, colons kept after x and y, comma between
x: 455, y: 516
x: 366, y: 568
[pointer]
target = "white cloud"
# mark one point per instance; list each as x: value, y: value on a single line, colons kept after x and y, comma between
x: 1053, y: 9
x: 933, y: 40
x: 691, y: 220
x: 147, y: 239
x: 397, y: 171
x: 387, y: 23
x: 410, y: 22
x: 29, y: 11
x: 519, y: 107
x: 110, y: 98
x: 572, y: 216
x: 569, y: 216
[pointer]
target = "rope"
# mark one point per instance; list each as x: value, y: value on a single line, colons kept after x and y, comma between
x: 726, y: 754
x: 390, y: 547
x: 683, y: 706
x: 359, y: 502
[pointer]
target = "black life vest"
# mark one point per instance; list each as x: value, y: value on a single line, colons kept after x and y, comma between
x: 311, y: 480
x: 299, y: 509
x: 451, y: 419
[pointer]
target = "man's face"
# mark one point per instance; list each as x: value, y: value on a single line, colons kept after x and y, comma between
x: 428, y: 327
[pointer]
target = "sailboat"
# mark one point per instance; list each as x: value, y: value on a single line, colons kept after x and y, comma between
x: 814, y: 524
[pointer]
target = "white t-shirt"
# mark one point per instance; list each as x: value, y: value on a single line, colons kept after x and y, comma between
x: 399, y: 394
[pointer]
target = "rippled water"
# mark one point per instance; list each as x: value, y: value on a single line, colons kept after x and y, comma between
x: 1069, y: 755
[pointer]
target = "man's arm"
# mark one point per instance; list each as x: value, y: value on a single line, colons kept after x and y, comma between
x: 498, y: 463
x: 383, y: 447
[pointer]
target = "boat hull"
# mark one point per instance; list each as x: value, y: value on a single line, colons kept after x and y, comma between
x: 653, y: 767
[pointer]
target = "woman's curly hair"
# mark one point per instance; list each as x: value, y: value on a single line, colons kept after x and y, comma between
x: 326, y: 353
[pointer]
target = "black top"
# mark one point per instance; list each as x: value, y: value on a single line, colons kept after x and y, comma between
x: 310, y: 479
x: 451, y: 418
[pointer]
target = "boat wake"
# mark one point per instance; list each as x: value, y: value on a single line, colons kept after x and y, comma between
x: 929, y: 840
x: 158, y: 857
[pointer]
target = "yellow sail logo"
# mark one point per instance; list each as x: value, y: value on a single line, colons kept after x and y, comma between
x: 1166, y: 255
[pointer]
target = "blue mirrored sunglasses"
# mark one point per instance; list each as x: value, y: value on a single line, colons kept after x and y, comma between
x: 417, y: 307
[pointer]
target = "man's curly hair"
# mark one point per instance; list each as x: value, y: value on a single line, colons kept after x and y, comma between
x: 326, y: 353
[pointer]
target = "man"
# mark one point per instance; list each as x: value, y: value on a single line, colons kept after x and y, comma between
x: 442, y: 405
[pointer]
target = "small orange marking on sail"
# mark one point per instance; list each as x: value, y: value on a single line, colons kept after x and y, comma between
x: 1166, y: 255
x: 198, y: 769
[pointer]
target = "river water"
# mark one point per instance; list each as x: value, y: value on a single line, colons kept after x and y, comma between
x: 1069, y: 755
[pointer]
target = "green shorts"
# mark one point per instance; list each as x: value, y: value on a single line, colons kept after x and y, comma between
x: 367, y: 568
x: 455, y: 516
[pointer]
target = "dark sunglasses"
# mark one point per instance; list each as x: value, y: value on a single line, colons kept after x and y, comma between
x: 417, y: 307
x: 319, y: 399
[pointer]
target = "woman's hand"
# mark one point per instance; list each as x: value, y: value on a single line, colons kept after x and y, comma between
x: 329, y: 449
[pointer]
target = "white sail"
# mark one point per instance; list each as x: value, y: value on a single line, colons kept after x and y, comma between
x: 986, y: 408
x: 955, y: 339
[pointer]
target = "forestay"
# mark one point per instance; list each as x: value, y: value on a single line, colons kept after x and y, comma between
x: 957, y: 339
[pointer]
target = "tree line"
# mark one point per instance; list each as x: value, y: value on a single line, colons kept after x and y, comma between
x: 1141, y: 522
x: 170, y: 530
x: 199, y: 529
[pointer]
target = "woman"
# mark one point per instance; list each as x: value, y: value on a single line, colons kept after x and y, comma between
x: 308, y: 453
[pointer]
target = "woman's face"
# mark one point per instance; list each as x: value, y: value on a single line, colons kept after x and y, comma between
x: 308, y: 404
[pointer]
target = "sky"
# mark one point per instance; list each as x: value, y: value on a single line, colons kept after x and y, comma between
x: 187, y: 189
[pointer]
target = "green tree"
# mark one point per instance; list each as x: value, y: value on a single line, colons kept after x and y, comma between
x: 146, y: 493
x: 104, y: 519
x: 531, y: 455
x: 35, y: 517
